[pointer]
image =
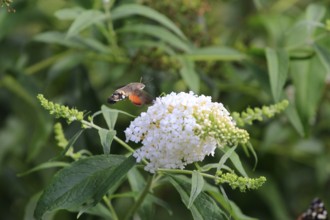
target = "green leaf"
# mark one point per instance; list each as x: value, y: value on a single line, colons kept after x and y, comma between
x: 84, y: 20
x: 229, y: 206
x: 215, y: 53
x: 158, y: 32
x: 272, y: 197
x: 204, y: 206
x: 138, y: 183
x: 83, y: 183
x: 70, y: 144
x: 324, y: 55
x: 224, y: 158
x: 189, y: 74
x: 110, y: 116
x: 278, y: 66
x: 314, y: 14
x: 150, y: 44
x: 292, y: 114
x: 46, y: 165
x: 106, y: 137
x: 197, y: 183
x: 234, y: 158
x: 135, y: 9
x: 69, y: 13
x: 54, y: 37
x: 309, y: 78
x: 250, y: 147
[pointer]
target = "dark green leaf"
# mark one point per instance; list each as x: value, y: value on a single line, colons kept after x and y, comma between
x: 204, y: 206
x: 83, y: 183
x: 197, y: 183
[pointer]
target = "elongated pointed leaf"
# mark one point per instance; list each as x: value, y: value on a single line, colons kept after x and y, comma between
x: 189, y: 74
x: 224, y: 158
x: 234, y: 158
x: 85, y: 20
x: 110, y: 116
x: 324, y: 55
x: 309, y: 77
x: 215, y: 53
x: 314, y: 15
x: 158, y: 32
x: 197, y: 183
x: 278, y: 66
x: 204, y: 206
x: 46, y: 165
x: 83, y: 183
x: 69, y: 13
x: 106, y: 137
x: 135, y: 9
x: 292, y: 114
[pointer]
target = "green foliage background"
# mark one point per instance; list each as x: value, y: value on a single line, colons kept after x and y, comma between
x: 242, y: 53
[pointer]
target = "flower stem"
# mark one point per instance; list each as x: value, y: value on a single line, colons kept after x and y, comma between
x: 188, y: 172
x: 139, y: 201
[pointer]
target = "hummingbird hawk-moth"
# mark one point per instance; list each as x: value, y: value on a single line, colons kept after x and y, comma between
x: 134, y: 92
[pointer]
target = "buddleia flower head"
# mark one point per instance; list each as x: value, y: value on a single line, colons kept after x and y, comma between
x: 182, y: 128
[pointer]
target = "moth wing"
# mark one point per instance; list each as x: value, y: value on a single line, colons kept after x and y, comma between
x: 140, y: 97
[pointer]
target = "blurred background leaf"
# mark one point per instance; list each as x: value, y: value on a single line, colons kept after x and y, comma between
x: 78, y: 52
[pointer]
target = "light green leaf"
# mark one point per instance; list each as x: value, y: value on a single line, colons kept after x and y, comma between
x: 106, y: 137
x: 234, y: 158
x: 69, y: 13
x: 135, y: 9
x: 197, y: 183
x: 309, y: 77
x: 204, y: 206
x: 224, y: 158
x: 76, y: 42
x: 110, y: 116
x: 158, y: 32
x: 189, y: 74
x: 83, y: 183
x: 314, y: 14
x: 215, y: 53
x: 84, y: 20
x: 324, y: 55
x: 278, y: 66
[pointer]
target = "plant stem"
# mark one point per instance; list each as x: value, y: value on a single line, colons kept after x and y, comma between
x: 109, y: 205
x: 139, y: 201
x: 189, y: 172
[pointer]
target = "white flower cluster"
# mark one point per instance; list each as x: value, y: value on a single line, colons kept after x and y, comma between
x: 178, y: 129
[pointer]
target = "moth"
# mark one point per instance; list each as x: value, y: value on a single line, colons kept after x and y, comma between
x: 135, y: 93
x: 316, y: 211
